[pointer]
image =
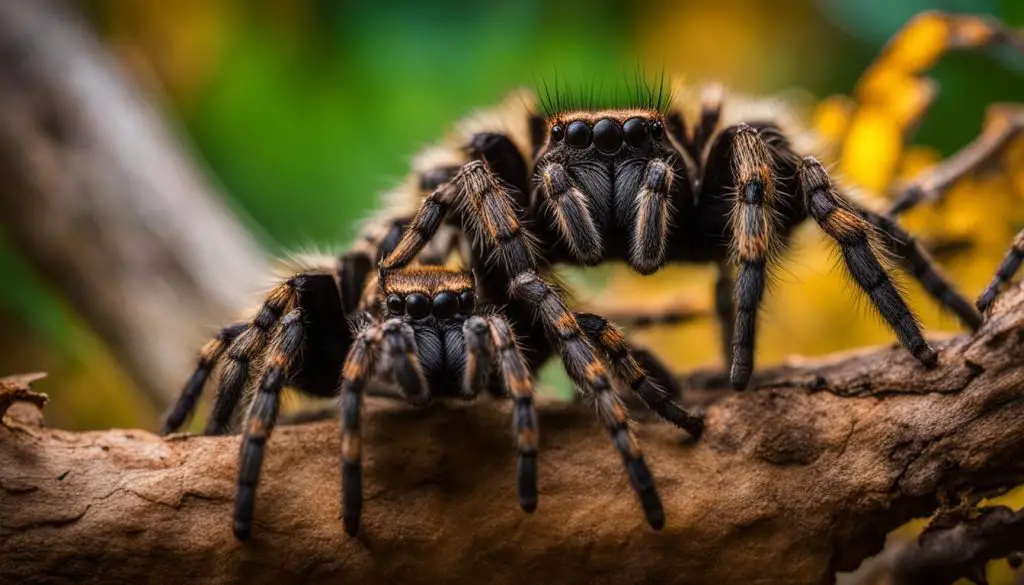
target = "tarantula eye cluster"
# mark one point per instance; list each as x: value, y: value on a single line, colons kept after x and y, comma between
x: 607, y: 135
x: 443, y: 305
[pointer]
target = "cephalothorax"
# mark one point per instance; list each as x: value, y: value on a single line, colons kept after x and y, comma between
x: 421, y: 331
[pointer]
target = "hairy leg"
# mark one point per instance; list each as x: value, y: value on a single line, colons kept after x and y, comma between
x: 246, y: 349
x: 587, y: 373
x: 360, y: 365
x: 854, y: 235
x: 284, y: 350
x: 1007, y: 268
x: 725, y: 309
x: 205, y: 362
x: 609, y: 341
x: 493, y: 336
x: 754, y: 242
x: 923, y: 268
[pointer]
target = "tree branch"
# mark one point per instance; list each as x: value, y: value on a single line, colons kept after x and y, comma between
x: 101, y: 197
x: 790, y: 483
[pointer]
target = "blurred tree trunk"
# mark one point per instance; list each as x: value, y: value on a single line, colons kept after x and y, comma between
x: 102, y: 198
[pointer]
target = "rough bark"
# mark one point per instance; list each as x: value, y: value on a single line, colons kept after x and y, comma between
x: 102, y: 198
x: 791, y: 482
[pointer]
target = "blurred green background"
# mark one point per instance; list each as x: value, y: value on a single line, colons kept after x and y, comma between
x: 305, y: 110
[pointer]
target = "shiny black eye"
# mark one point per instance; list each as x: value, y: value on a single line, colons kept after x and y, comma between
x: 467, y: 302
x: 607, y: 136
x: 446, y: 304
x: 577, y: 135
x: 557, y: 132
x: 638, y: 133
x: 656, y: 129
x: 417, y: 305
x: 396, y: 305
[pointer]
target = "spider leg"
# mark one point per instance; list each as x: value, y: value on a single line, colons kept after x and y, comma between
x: 490, y: 210
x: 653, y: 214
x: 609, y: 340
x: 570, y: 211
x: 399, y: 361
x: 587, y: 373
x: 923, y: 268
x: 754, y: 238
x: 424, y: 225
x: 205, y: 362
x: 725, y: 309
x: 360, y: 364
x: 1003, y: 125
x: 246, y: 348
x: 284, y: 350
x: 1007, y: 268
x: 493, y: 334
x: 854, y: 235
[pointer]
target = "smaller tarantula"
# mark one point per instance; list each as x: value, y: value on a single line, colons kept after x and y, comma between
x: 418, y: 329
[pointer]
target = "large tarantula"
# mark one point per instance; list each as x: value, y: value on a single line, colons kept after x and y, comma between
x: 578, y: 184
x: 420, y: 329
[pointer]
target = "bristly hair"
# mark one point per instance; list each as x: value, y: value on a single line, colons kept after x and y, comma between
x: 642, y: 91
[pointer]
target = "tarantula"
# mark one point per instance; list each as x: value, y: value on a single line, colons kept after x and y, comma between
x: 579, y: 184
x: 421, y: 330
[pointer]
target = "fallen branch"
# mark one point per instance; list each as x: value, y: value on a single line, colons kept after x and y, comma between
x: 790, y: 483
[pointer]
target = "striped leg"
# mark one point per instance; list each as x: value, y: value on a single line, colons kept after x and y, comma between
x: 923, y: 268
x: 589, y: 375
x: 360, y: 365
x: 855, y: 238
x: 424, y: 225
x: 284, y: 350
x: 492, y: 335
x: 488, y: 207
x: 1007, y: 268
x: 754, y: 240
x: 205, y: 362
x: 725, y: 309
x: 609, y: 341
x: 248, y: 346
